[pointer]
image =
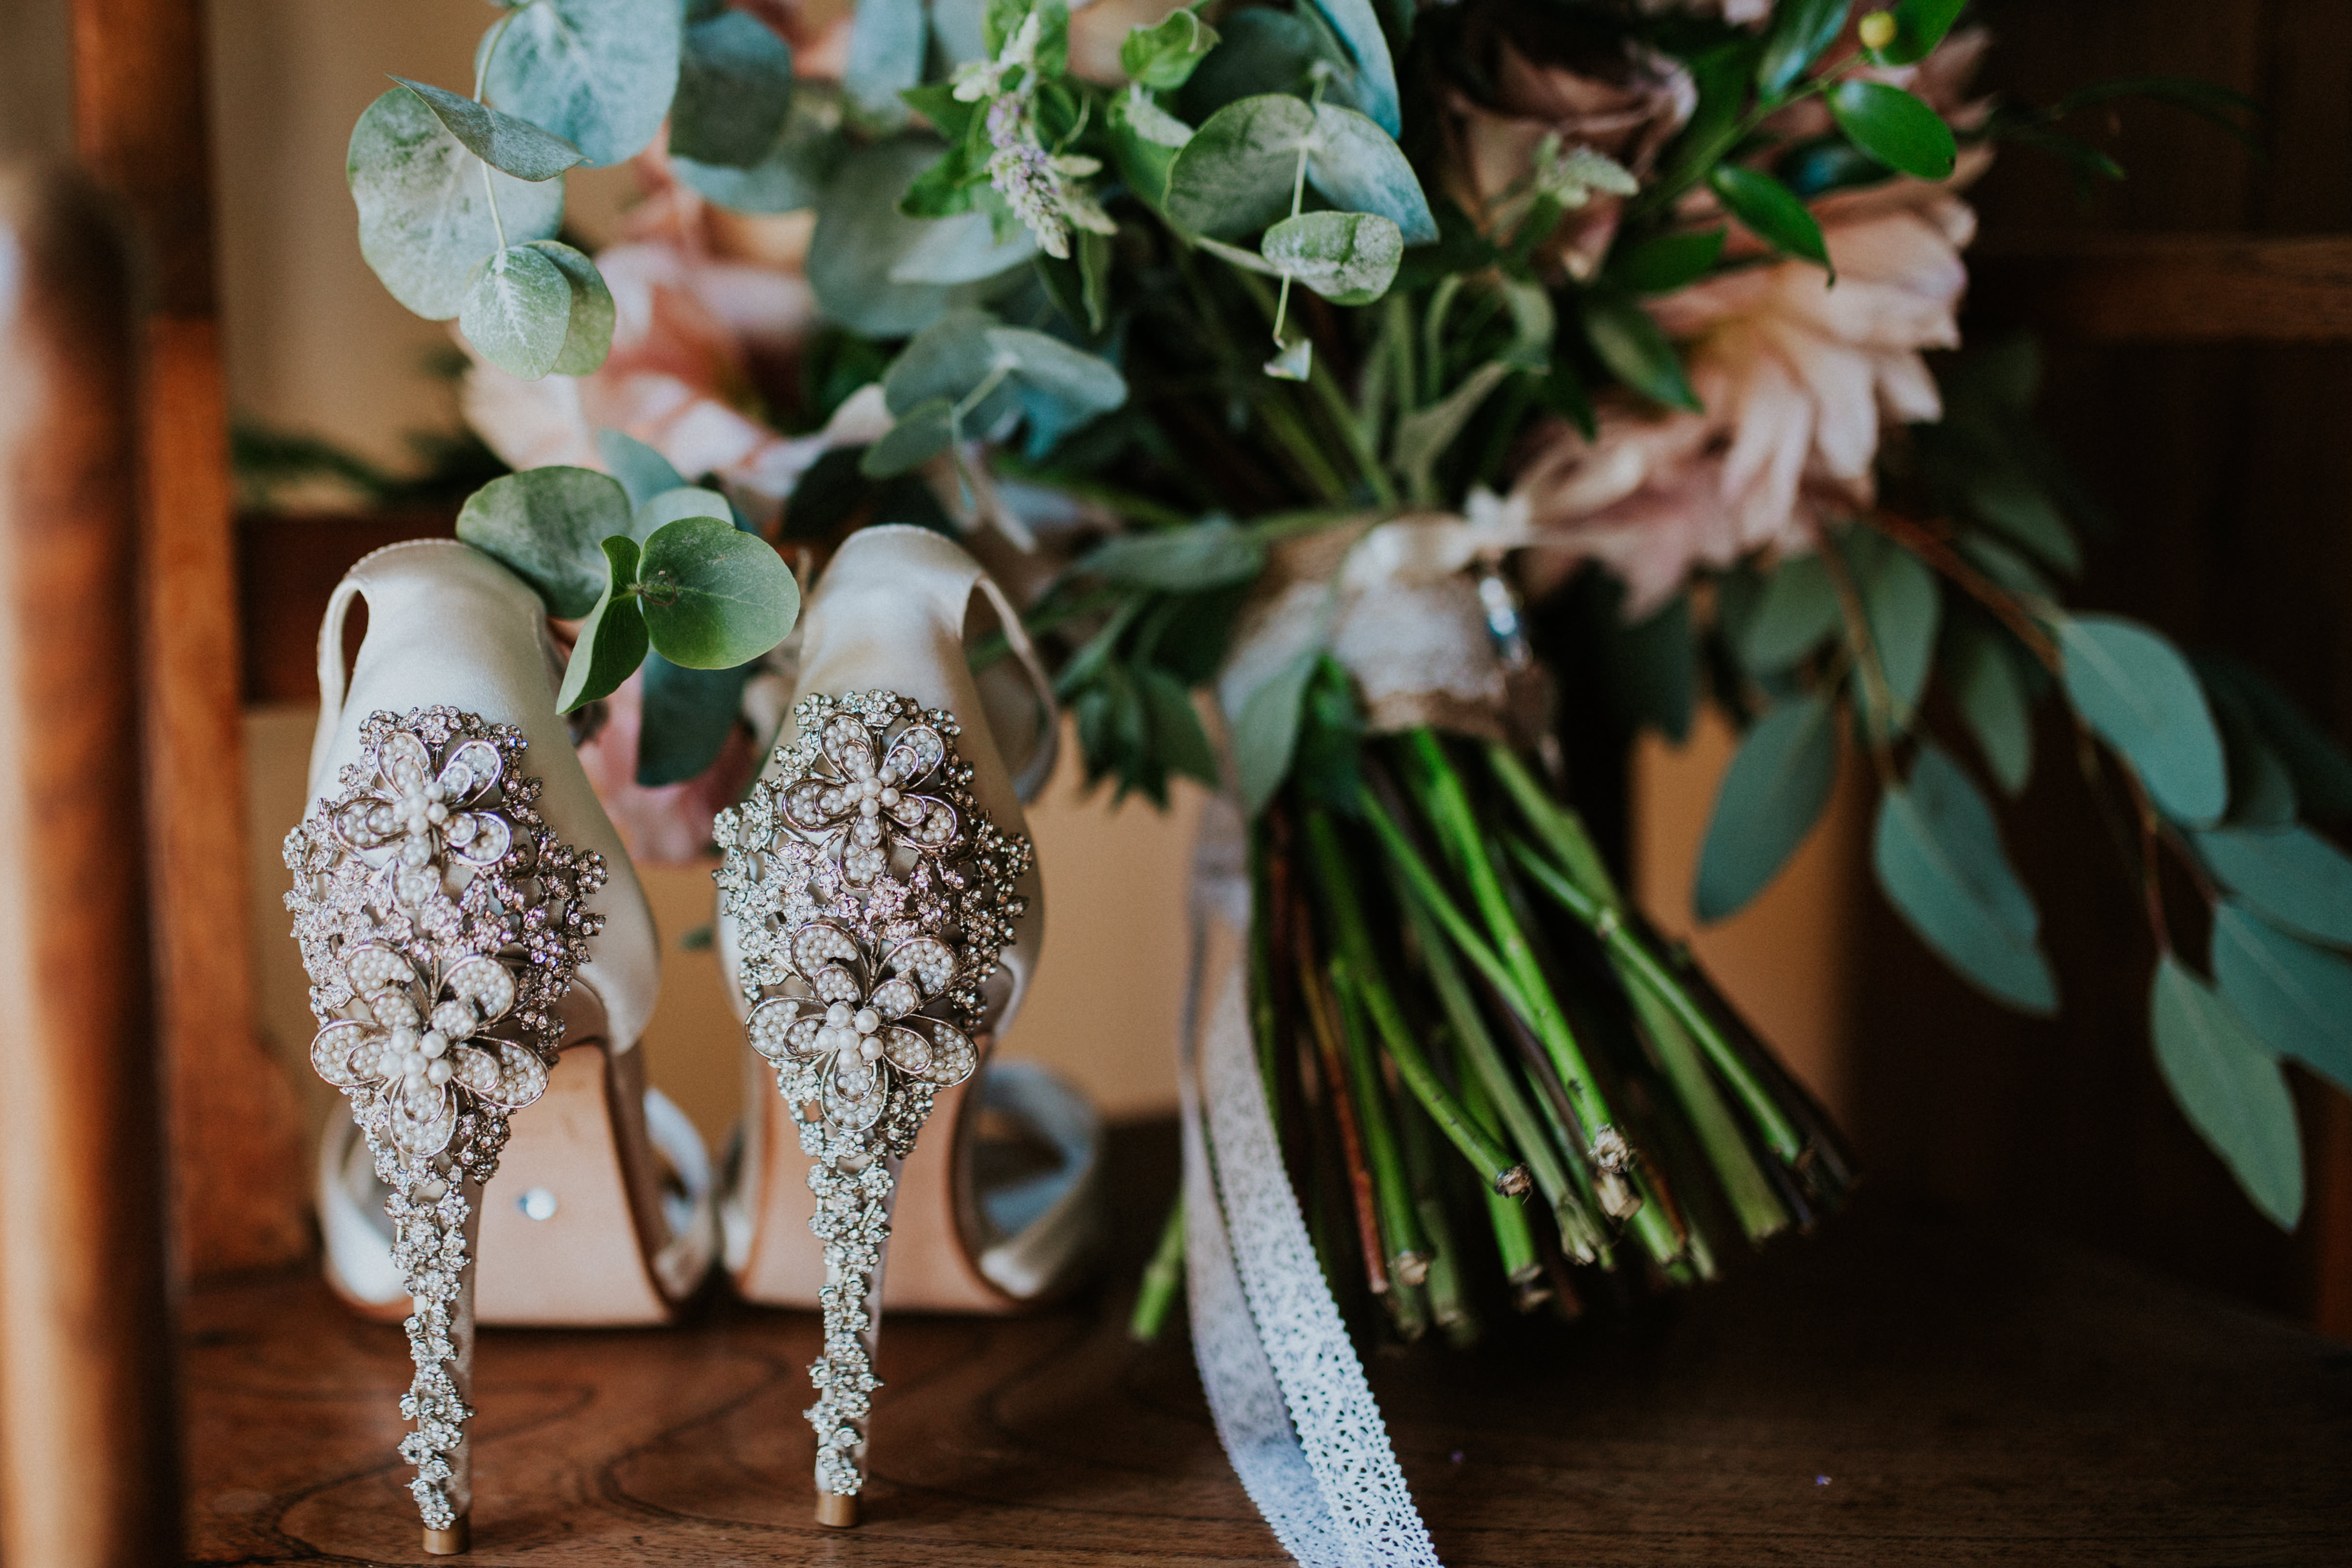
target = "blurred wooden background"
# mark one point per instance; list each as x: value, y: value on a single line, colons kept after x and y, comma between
x: 2198, y: 325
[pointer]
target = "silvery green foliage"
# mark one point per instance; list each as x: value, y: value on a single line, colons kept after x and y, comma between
x: 598, y: 73
x: 861, y: 238
x: 734, y: 90
x: 425, y: 204
x: 970, y: 377
x: 1236, y: 174
x: 518, y: 311
x: 792, y: 172
x: 513, y: 146
x: 1350, y: 258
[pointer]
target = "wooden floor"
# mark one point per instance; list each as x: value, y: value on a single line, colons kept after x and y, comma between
x: 1894, y: 1391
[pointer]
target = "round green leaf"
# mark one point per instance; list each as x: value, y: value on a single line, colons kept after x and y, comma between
x: 548, y: 526
x: 1234, y: 176
x: 1357, y: 25
x: 734, y: 89
x: 1894, y: 127
x: 588, y: 335
x: 1770, y: 209
x: 685, y: 500
x: 714, y: 597
x: 1939, y: 861
x: 598, y: 73
x: 425, y: 217
x: 1350, y: 258
x: 2229, y: 1089
x: 886, y: 40
x: 861, y: 236
x: 513, y: 146
x: 1164, y: 57
x: 1357, y: 163
x: 2295, y: 998
x: 643, y: 472
x: 611, y: 640
x: 791, y: 174
x: 922, y: 433
x: 1797, y: 612
x: 1059, y: 387
x: 2294, y: 876
x: 686, y: 717
x: 963, y: 248
x: 2135, y: 690
x: 1770, y: 797
x: 519, y: 312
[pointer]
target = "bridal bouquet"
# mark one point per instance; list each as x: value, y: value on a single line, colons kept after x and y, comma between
x: 1288, y: 357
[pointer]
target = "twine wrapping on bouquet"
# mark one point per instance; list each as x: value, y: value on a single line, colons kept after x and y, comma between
x: 1411, y: 608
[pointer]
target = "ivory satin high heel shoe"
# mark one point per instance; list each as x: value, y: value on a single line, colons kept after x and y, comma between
x: 880, y: 918
x: 476, y: 945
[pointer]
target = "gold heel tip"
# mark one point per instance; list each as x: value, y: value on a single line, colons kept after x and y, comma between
x: 840, y: 1512
x: 450, y: 1543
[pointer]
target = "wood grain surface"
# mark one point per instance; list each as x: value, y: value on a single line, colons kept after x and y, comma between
x: 1894, y: 1390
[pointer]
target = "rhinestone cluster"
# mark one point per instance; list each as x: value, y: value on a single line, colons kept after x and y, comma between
x: 871, y: 900
x: 441, y: 924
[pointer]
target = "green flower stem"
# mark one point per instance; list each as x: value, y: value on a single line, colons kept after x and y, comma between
x: 1563, y: 833
x: 1745, y: 1185
x: 1645, y: 977
x: 1161, y: 1276
x: 1490, y: 1080
x: 1326, y: 387
x: 1323, y: 1021
x: 1447, y: 805
x: 1406, y: 1251
x: 1513, y: 1237
x: 1448, y: 1306
x: 1493, y: 1162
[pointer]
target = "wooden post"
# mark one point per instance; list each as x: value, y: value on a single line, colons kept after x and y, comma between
x: 89, y: 1477
x: 140, y: 127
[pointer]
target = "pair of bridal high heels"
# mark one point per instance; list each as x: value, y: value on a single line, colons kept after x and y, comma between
x: 483, y: 963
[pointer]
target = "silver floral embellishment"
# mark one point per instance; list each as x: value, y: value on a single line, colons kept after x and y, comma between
x: 875, y: 797
x: 860, y: 1022
x: 405, y: 804
x: 423, y: 1042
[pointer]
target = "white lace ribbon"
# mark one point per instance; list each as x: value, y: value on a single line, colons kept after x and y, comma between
x: 1289, y: 1398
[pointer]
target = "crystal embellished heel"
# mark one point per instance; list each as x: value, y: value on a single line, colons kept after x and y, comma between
x: 880, y: 915
x: 476, y: 941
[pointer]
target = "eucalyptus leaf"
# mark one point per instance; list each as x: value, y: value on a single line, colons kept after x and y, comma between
x: 861, y: 236
x: 685, y: 718
x: 734, y: 90
x: 2322, y: 772
x: 792, y: 172
x: 588, y: 332
x: 1263, y: 50
x: 964, y: 248
x: 598, y: 73
x: 548, y: 526
x: 886, y: 57
x: 1358, y: 28
x: 1771, y: 211
x: 714, y: 597
x: 643, y: 472
x: 1770, y: 797
x: 684, y: 500
x: 1144, y: 141
x: 1350, y: 258
x: 2230, y: 1088
x: 1894, y: 127
x: 2135, y: 690
x: 1903, y: 605
x: 2262, y: 787
x: 611, y: 640
x: 1266, y: 731
x: 1207, y: 554
x: 1176, y: 733
x: 1800, y: 30
x: 1060, y: 387
x: 1630, y: 343
x: 1796, y: 613
x: 1993, y: 698
x: 1294, y: 360
x: 509, y: 145
x: 920, y: 434
x: 2296, y: 998
x: 2292, y: 876
x: 423, y: 207
x: 1164, y: 56
x: 1235, y: 174
x: 1939, y: 861
x: 518, y: 312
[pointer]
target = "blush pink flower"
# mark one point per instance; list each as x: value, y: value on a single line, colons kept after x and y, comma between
x: 1795, y: 376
